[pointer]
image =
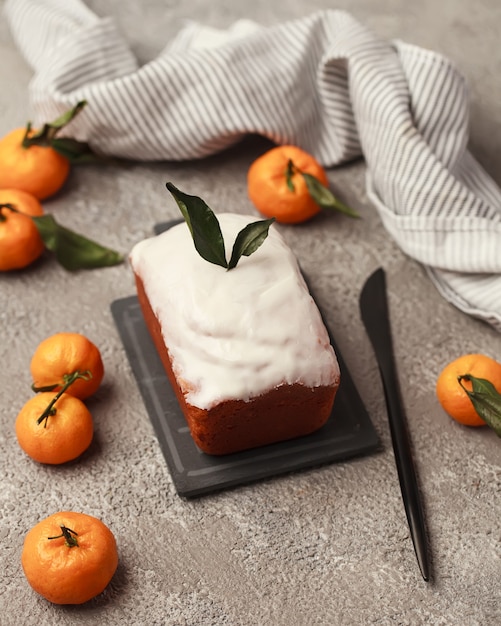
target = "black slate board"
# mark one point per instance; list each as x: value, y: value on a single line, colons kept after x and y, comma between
x: 349, y: 431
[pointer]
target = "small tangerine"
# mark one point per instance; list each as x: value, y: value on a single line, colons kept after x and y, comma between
x: 63, y: 354
x: 54, y: 434
x: 20, y: 241
x: 452, y: 396
x: 279, y: 191
x: 69, y: 557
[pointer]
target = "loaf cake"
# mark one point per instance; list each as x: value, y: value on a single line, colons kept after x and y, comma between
x: 245, y: 350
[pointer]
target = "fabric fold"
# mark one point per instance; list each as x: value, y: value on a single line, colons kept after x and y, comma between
x: 323, y: 82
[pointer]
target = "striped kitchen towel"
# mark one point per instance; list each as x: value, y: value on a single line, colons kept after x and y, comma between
x: 323, y: 82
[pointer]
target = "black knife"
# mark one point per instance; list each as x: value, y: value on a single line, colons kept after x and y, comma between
x: 375, y: 316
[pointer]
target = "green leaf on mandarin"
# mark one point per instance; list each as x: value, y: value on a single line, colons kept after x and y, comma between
x: 485, y: 399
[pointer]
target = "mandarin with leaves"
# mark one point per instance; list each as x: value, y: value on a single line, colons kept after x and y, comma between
x: 20, y: 241
x: 456, y: 382
x: 38, y: 161
x: 26, y: 231
x: 65, y: 357
x: 69, y: 557
x: 290, y: 185
x: 39, y: 170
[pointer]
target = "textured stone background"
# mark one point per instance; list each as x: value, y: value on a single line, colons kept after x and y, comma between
x: 324, y: 546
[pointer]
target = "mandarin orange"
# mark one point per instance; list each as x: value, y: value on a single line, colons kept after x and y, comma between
x: 452, y: 396
x: 278, y: 190
x: 54, y: 433
x: 69, y: 557
x: 61, y: 355
x: 38, y: 170
x: 20, y: 241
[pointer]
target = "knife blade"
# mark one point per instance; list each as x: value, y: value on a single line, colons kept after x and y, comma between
x: 375, y: 316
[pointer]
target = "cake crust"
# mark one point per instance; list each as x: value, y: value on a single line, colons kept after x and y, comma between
x: 285, y: 412
x: 246, y: 350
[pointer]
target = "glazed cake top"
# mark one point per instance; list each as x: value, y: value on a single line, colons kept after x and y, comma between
x: 239, y: 333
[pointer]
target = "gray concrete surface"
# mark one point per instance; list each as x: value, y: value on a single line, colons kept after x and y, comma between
x: 324, y: 546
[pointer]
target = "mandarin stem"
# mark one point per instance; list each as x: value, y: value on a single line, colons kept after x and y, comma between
x: 25, y: 143
x: 6, y: 205
x: 68, y: 379
x: 69, y: 535
x: 289, y: 173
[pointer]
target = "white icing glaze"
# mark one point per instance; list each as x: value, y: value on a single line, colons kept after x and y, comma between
x: 239, y: 333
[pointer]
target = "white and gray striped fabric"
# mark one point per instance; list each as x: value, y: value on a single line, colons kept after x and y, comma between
x: 323, y: 82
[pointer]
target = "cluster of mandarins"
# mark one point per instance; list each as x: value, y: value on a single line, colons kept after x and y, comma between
x: 68, y: 557
x: 28, y: 174
x: 55, y: 426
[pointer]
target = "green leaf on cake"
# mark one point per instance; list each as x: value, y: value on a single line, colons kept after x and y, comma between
x: 203, y: 225
x: 249, y: 239
x: 206, y: 231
